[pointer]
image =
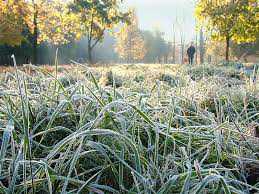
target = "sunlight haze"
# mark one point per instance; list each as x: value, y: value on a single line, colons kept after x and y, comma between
x: 163, y: 13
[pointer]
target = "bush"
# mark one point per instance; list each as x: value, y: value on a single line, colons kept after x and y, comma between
x: 113, y: 79
x: 198, y: 72
x: 173, y: 81
x: 96, y: 75
x: 139, y: 78
x: 67, y: 80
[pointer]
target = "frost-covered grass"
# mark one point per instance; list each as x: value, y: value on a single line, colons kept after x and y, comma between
x: 129, y: 129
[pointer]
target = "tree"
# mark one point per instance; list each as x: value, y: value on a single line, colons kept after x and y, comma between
x: 182, y: 45
x: 174, y: 45
x: 229, y: 20
x: 35, y: 31
x: 50, y: 21
x: 94, y: 17
x: 161, y: 46
x: 157, y: 48
x: 12, y: 14
x: 196, y: 46
x: 47, y: 21
x: 150, y: 45
x: 130, y: 43
x: 201, y: 46
x: 216, y: 50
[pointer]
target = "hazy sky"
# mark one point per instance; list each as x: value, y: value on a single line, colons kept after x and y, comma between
x: 163, y: 13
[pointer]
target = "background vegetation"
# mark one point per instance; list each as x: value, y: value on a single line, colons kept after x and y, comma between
x: 92, y: 32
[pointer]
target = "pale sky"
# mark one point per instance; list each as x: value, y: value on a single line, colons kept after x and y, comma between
x: 163, y: 13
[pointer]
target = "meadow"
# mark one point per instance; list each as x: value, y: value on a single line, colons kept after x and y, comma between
x: 129, y: 129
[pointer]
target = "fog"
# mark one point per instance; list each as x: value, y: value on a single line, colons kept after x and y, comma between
x: 163, y: 13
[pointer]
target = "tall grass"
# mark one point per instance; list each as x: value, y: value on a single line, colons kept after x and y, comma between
x: 75, y: 135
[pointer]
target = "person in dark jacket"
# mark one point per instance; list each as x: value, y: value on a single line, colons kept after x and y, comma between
x: 190, y: 52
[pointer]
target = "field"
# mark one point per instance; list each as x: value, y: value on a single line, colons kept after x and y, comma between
x: 129, y: 129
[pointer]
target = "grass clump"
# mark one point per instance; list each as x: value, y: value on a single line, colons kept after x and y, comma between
x: 67, y: 81
x: 199, y: 72
x: 171, y: 80
x: 139, y: 78
x: 111, y: 79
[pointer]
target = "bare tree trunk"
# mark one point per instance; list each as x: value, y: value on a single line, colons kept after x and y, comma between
x: 35, y: 35
x: 182, y: 49
x: 174, y: 47
x: 227, y: 47
x: 196, y: 45
x: 201, y: 46
x: 89, y: 43
x: 90, y: 58
x: 130, y: 49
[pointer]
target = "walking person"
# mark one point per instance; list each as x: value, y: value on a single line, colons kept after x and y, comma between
x: 190, y: 52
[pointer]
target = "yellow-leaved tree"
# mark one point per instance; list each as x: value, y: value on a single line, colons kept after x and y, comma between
x: 229, y: 20
x: 58, y: 21
x: 12, y: 20
x: 49, y: 21
x: 45, y: 20
x: 130, y: 43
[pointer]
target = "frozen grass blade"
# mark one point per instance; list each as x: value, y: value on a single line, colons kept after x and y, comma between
x: 5, y: 141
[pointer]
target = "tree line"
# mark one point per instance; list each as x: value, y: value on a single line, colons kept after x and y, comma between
x: 58, y: 22
x: 88, y: 31
x: 101, y: 31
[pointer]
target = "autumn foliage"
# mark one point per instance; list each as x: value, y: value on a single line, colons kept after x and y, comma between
x: 130, y: 43
x: 227, y: 20
x: 13, y: 15
x: 58, y: 22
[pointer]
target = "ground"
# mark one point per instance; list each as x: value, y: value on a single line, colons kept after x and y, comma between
x: 139, y: 128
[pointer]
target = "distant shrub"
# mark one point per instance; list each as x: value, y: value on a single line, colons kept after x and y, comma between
x: 139, y: 78
x: 171, y: 80
x: 239, y: 65
x: 61, y: 69
x: 131, y: 66
x: 230, y: 63
x: 96, y: 75
x: 233, y: 73
x: 199, y: 72
x: 67, y: 81
x: 251, y: 71
x: 113, y: 79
